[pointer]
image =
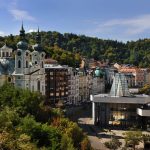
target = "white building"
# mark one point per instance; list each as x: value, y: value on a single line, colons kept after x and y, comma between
x: 6, y: 52
x: 98, y: 82
x: 73, y: 84
x: 84, y: 85
x: 6, y: 64
x: 29, y: 66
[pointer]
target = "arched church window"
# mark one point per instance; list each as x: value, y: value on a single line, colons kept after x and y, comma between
x: 19, y: 64
x: 27, y: 64
x: 19, y: 53
x: 42, y: 65
x: 27, y: 53
x: 38, y: 85
x: 30, y: 57
x: 9, y: 79
x: 7, y: 54
x: 3, y: 54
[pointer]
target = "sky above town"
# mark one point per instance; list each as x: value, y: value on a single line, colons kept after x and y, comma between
x: 120, y: 20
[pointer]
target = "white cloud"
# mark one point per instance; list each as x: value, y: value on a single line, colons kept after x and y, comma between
x: 130, y: 26
x: 31, y: 30
x: 2, y: 33
x: 21, y: 15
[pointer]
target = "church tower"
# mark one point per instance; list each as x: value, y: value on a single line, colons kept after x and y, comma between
x: 22, y: 58
x: 29, y: 66
x: 38, y: 55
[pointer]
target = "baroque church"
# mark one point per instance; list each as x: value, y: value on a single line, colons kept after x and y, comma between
x: 29, y: 72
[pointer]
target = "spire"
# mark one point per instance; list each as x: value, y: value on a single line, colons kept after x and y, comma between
x: 37, y: 46
x: 38, y: 37
x: 22, y: 32
x: 22, y: 43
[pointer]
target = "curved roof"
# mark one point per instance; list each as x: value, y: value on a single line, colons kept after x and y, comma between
x: 98, y: 72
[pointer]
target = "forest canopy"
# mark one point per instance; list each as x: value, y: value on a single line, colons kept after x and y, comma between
x: 72, y: 47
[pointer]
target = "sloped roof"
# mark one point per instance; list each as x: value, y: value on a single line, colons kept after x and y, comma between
x: 119, y: 87
x: 7, y: 66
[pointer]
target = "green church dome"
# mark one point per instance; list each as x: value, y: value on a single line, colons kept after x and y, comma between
x: 37, y: 47
x: 22, y: 45
x: 98, y: 72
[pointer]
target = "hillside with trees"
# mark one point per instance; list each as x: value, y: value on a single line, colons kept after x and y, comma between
x: 72, y: 47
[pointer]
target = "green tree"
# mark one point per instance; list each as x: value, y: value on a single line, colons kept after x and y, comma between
x: 66, y: 143
x: 42, y: 134
x: 9, y: 119
x: 71, y: 129
x: 85, y: 144
x: 145, y: 89
x: 113, y: 144
x: 133, y: 138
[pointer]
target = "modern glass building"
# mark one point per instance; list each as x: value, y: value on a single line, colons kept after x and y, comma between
x: 120, y: 109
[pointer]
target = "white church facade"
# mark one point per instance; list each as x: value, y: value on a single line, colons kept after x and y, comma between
x: 29, y: 72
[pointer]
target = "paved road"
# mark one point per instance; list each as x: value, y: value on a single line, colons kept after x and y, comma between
x: 91, y: 133
x: 83, y: 117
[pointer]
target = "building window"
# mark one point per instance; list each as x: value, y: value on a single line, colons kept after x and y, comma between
x: 19, y: 53
x: 42, y: 88
x: 19, y: 64
x: 3, y: 54
x: 35, y: 62
x: 32, y: 87
x: 7, y: 54
x: 38, y: 85
x: 27, y: 53
x: 27, y: 64
x: 42, y: 65
x: 9, y: 79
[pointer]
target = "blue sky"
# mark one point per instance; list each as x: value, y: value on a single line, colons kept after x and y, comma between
x: 108, y: 19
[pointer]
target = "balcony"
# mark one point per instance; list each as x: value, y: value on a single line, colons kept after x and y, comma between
x: 143, y: 112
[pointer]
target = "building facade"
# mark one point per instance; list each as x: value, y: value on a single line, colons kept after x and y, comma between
x: 120, y: 109
x: 7, y: 65
x: 135, y: 76
x: 98, y: 81
x: 29, y: 72
x: 85, y: 85
x: 73, y: 83
x: 56, y: 83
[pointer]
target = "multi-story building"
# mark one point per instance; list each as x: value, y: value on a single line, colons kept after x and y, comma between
x: 147, y: 76
x: 109, y: 74
x: 6, y: 52
x: 98, y: 82
x: 7, y: 64
x: 85, y: 83
x: 73, y: 83
x: 56, y: 83
x: 135, y: 76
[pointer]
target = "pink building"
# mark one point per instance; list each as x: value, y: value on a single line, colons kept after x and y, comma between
x: 135, y: 76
